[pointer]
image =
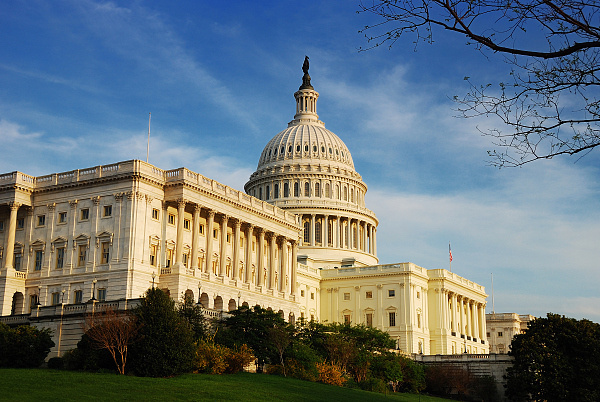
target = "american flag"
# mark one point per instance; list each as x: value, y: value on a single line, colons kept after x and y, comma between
x: 450, y: 252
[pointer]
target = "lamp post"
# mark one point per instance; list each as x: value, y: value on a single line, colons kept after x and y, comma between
x: 153, y: 276
x: 62, y: 299
x: 200, y: 293
x: 239, y: 297
x: 94, y: 289
x: 37, y: 303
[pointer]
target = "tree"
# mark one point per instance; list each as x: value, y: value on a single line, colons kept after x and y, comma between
x: 192, y: 312
x: 166, y: 344
x: 280, y: 337
x: 551, y: 104
x: 24, y: 346
x: 556, y: 359
x: 114, y: 332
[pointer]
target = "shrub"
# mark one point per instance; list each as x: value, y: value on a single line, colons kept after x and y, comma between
x: 210, y: 358
x: 24, y: 346
x: 56, y: 363
x: 331, y: 374
x: 373, y: 384
x: 238, y: 358
x: 302, y: 362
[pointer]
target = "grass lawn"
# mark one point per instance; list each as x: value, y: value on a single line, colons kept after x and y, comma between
x: 53, y: 385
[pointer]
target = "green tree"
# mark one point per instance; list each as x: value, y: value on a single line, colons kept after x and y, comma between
x: 166, y: 344
x: 190, y: 311
x: 24, y: 346
x: 250, y: 326
x: 549, y: 104
x: 556, y: 359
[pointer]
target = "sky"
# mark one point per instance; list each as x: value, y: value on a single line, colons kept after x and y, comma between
x: 79, y: 78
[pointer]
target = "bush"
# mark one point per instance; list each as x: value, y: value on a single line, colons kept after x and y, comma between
x: 212, y: 358
x: 56, y: 363
x: 331, y: 374
x: 24, y: 346
x: 238, y: 358
x: 301, y: 362
x: 373, y: 384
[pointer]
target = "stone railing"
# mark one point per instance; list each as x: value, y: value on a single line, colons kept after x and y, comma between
x: 373, y: 269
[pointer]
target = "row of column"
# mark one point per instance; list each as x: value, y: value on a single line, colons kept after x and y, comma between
x: 461, y: 315
x: 272, y: 269
x: 342, y: 235
x: 327, y: 189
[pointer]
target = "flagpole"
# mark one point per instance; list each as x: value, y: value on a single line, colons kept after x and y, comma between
x: 148, y: 149
x: 450, y: 256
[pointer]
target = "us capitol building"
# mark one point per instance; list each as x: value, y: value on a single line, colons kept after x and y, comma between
x: 300, y: 241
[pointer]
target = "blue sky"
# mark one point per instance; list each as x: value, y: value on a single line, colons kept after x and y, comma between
x: 78, y: 79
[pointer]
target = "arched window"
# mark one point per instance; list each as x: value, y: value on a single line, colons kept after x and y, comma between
x: 351, y: 195
x: 296, y: 189
x: 306, y: 148
x: 268, y: 193
x: 314, y: 148
x: 337, y: 192
x: 355, y: 237
x: 276, y: 191
x: 327, y: 190
x: 330, y: 232
x: 282, y: 150
x: 318, y: 231
x: 345, y: 193
x: 317, y: 189
x: 307, y: 189
x: 260, y: 193
x: 307, y: 232
x: 297, y: 148
x: 286, y: 190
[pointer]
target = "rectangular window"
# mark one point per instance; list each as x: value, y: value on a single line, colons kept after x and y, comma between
x: 102, y: 294
x: 105, y: 253
x: 186, y: 224
x: 153, y: 253
x: 78, y: 296
x: 185, y: 260
x: 500, y: 334
x: 346, y: 318
x: 41, y: 220
x: 154, y: 213
x: 17, y: 260
x: 418, y: 295
x: 302, y: 292
x: 215, y: 233
x: 20, y: 223
x: 369, y: 295
x: 312, y: 295
x: 201, y: 228
x: 39, y: 254
x: 1, y: 226
x: 391, y: 293
x: 169, y: 257
x: 171, y: 220
x: 107, y: 210
x: 55, y: 298
x: 392, y: 317
x: 33, y: 301
x: 346, y: 296
x: 60, y: 257
x: 82, y: 255
x: 62, y: 217
x: 369, y: 319
x: 228, y: 238
x: 85, y: 214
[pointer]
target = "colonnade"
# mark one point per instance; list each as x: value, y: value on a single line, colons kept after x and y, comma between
x: 274, y: 270
x: 461, y: 315
x: 344, y: 232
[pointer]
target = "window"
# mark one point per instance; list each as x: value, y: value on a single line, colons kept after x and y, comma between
x: 185, y: 260
x: 418, y: 295
x: 286, y: 190
x: 153, y: 253
x: 392, y: 318
x: 85, y: 214
x: 201, y: 229
x: 41, y: 220
x: 276, y: 191
x: 306, y: 148
x: 488, y: 334
x: 154, y: 213
x: 55, y: 298
x: 297, y: 148
x: 296, y: 189
x: 307, y: 189
x: 171, y: 220
x: 391, y: 293
x: 346, y: 318
x: 327, y: 190
x: 260, y: 193
x: 346, y: 296
x: 62, y: 217
x: 17, y: 260
x: 60, y: 257
x: 312, y: 295
x: 82, y: 255
x: 499, y: 333
x: 307, y: 232
x: 169, y: 257
x: 418, y: 320
x: 78, y: 296
x: 314, y: 148
x: 369, y: 319
x: 317, y: 189
x: 215, y: 233
x: 369, y: 295
x: 228, y: 238
x: 312, y: 317
x: 102, y: 294
x: 39, y: 254
x: 20, y: 223
x: 302, y: 292
x: 1, y: 226
x: 107, y: 210
x: 186, y: 224
x: 105, y: 253
x: 318, y: 231
x: 268, y: 193
x: 33, y: 301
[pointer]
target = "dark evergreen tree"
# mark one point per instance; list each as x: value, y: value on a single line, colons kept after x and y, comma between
x: 24, y: 346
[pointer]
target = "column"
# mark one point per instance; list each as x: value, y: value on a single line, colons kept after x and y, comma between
x: 223, y: 252
x: 208, y: 260
x: 179, y: 245
x: 312, y: 230
x: 375, y: 241
x: 325, y: 231
x: 365, y: 249
x: 195, y: 234
x: 349, y: 234
x: 12, y: 228
x: 283, y: 276
x: 370, y: 239
x: 260, y: 269
x: 469, y: 322
x: 453, y: 315
x: 236, y: 249
x: 272, y: 249
x: 482, y: 326
x: 459, y: 319
x: 248, y: 259
x: 294, y: 266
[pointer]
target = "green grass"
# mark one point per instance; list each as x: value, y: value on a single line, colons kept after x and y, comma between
x: 53, y: 385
